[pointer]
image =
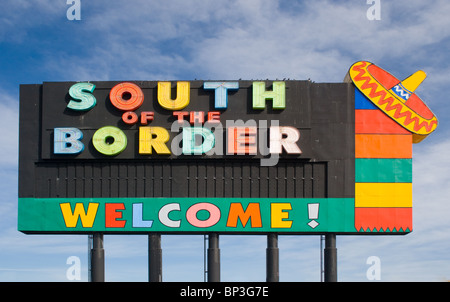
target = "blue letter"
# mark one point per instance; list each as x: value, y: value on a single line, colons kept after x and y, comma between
x: 138, y: 221
x: 221, y: 95
x: 67, y: 141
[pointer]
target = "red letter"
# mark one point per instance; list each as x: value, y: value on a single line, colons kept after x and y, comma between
x: 213, y: 116
x: 197, y: 117
x: 129, y: 118
x: 180, y: 115
x: 111, y: 215
x: 146, y: 116
x: 126, y: 96
x: 242, y: 140
x: 237, y: 212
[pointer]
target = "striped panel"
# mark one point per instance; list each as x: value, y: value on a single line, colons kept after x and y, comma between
x: 391, y: 170
x: 383, y: 219
x: 383, y: 146
x: 397, y: 195
x: 383, y: 171
x: 376, y: 122
x: 361, y: 102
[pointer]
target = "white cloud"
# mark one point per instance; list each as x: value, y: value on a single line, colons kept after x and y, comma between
x: 431, y: 179
x: 420, y: 255
x: 236, y: 38
x: 246, y: 39
x: 166, y: 40
x: 9, y: 123
x: 21, y: 16
x: 42, y: 244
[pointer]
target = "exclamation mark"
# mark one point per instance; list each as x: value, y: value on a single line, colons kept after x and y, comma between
x: 313, y: 213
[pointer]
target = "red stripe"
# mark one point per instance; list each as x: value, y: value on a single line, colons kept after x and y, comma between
x: 383, y: 219
x: 376, y: 122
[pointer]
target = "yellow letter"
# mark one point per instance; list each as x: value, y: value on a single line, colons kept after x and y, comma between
x: 155, y: 137
x: 71, y: 219
x: 165, y: 98
x: 278, y: 214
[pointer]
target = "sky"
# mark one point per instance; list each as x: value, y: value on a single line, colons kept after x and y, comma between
x: 228, y: 40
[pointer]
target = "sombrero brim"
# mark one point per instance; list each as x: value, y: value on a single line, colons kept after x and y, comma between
x: 387, y: 93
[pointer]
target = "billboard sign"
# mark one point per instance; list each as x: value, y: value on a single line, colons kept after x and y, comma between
x: 218, y: 156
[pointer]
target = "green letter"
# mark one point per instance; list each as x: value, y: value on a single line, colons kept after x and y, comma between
x: 83, y: 98
x: 278, y: 95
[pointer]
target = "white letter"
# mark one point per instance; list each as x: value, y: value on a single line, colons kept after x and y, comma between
x: 374, y: 12
x: 263, y: 144
x: 164, y: 215
x: 74, y: 271
x: 374, y: 272
x: 74, y: 12
x: 286, y: 137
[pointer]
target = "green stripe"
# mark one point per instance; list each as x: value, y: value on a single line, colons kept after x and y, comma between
x: 390, y: 170
x: 46, y: 215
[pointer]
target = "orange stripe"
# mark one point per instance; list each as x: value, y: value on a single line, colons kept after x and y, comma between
x: 383, y: 146
x: 376, y: 219
x: 376, y: 122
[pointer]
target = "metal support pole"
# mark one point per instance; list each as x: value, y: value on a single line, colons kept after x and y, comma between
x: 97, y: 259
x: 205, y: 257
x: 90, y: 239
x: 330, y: 255
x: 213, y: 258
x: 322, y: 239
x: 154, y: 258
x: 272, y: 259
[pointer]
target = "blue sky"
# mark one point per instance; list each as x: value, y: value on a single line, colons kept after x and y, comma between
x: 229, y: 40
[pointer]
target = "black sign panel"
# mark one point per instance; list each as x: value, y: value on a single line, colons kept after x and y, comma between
x: 302, y: 147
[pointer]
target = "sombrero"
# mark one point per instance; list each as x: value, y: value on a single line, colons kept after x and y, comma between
x: 394, y: 97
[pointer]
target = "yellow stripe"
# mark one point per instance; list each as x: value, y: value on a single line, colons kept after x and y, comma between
x: 386, y: 195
